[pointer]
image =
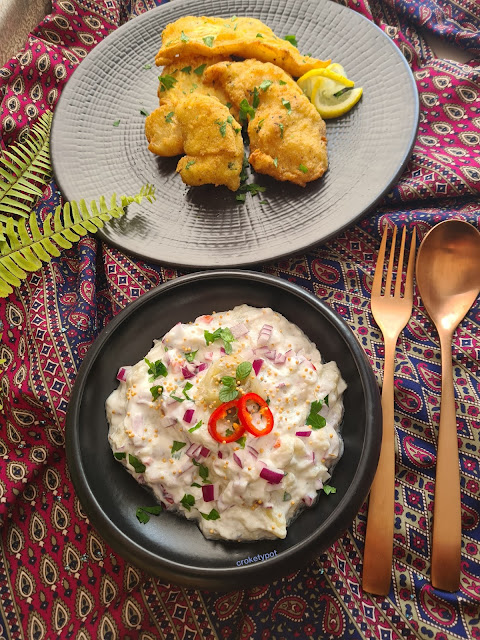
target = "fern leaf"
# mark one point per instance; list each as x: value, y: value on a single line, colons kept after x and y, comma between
x: 26, y: 245
x: 24, y: 169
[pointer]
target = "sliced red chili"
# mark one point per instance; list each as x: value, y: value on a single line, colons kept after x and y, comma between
x: 246, y: 417
x: 220, y: 413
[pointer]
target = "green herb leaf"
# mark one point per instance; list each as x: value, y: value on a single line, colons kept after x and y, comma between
x: 243, y: 370
x: 329, y: 489
x: 275, y: 162
x: 188, y: 501
x: 197, y: 426
x: 292, y: 40
x: 177, y: 446
x: 303, y: 168
x: 253, y: 188
x: 189, y: 164
x: 208, y: 40
x: 120, y: 455
x: 287, y: 105
x: 223, y: 127
x: 281, y: 130
x: 232, y: 166
x: 116, y: 123
x: 220, y: 334
x: 228, y: 381
x: 314, y: 419
x: 342, y: 91
x: 195, y: 484
x: 184, y: 38
x: 156, y: 391
x: 229, y: 432
x: 213, y: 515
x: 246, y: 110
x: 186, y: 388
x: 325, y: 400
x: 241, y: 197
x: 260, y: 125
x: 167, y: 82
x: 143, y: 513
x: 169, y: 116
x: 147, y: 66
x: 137, y: 465
x: 256, y: 98
x: 144, y: 112
x: 156, y: 369
x: 190, y: 357
x: 286, y: 496
x: 172, y: 395
x: 229, y: 105
x: 241, y: 442
x: 265, y: 84
x: 267, y: 400
x: 259, y: 35
x: 186, y: 69
x: 199, y: 70
x: 282, y: 82
x: 226, y: 394
x: 202, y: 470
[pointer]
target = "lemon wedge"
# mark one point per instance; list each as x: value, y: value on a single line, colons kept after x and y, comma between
x: 331, y: 99
x: 334, y: 72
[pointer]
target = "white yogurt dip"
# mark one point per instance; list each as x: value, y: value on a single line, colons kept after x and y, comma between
x: 250, y: 488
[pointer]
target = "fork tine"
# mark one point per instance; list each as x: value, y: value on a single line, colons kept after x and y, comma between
x: 388, y: 283
x: 410, y: 268
x: 378, y: 275
x: 398, y: 277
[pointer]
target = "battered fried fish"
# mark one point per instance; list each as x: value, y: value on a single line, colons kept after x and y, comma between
x: 287, y: 135
x: 213, y: 143
x: 178, y: 81
x: 244, y: 37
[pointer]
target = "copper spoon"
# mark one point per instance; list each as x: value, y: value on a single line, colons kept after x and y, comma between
x: 448, y: 278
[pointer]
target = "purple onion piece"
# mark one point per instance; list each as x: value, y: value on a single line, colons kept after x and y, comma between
x: 257, y: 365
x: 270, y: 354
x: 193, y: 449
x: 253, y: 451
x: 204, y: 452
x: 238, y: 460
x: 202, y: 366
x: 188, y: 415
x: 187, y: 373
x: 238, y: 330
x: 208, y: 492
x: 271, y: 476
x: 280, y: 358
x: 303, y: 434
x: 122, y: 374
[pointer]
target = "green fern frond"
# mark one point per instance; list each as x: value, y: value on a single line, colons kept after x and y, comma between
x: 26, y: 245
x: 24, y: 170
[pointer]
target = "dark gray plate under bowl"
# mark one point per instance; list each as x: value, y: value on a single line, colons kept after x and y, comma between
x: 205, y: 227
x: 169, y: 546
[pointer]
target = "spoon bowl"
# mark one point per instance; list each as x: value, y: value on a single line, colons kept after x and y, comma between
x: 448, y: 278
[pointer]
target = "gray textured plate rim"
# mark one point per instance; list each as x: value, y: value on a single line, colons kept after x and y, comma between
x: 263, y: 238
x: 225, y: 578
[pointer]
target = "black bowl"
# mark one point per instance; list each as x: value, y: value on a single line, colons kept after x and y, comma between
x: 169, y: 546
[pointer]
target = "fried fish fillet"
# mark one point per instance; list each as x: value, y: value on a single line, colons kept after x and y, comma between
x: 287, y: 135
x: 178, y: 81
x: 243, y: 37
x: 212, y: 140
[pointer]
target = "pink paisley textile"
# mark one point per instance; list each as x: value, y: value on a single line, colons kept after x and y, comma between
x: 58, y: 578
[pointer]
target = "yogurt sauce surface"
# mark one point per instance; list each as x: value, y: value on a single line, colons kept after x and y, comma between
x: 251, y: 488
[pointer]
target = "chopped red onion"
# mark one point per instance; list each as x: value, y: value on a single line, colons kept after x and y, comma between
x: 188, y: 467
x: 222, y: 350
x: 238, y: 330
x: 271, y: 476
x: 290, y: 353
x: 193, y: 450
x: 208, y: 492
x: 257, y: 365
x: 220, y: 455
x: 303, y: 434
x: 310, y: 364
x: 313, y: 456
x: 270, y: 354
x: 264, y: 335
x: 208, y: 356
x: 308, y: 500
x: 280, y: 358
x: 137, y: 424
x: 253, y: 451
x: 204, y: 452
x: 281, y: 385
x: 188, y: 415
x: 238, y: 460
x: 122, y: 373
x: 167, y: 358
x: 166, y: 422
x: 187, y: 372
x: 261, y: 350
x: 202, y: 366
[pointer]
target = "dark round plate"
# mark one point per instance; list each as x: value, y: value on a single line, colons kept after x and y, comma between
x: 205, y: 226
x: 168, y: 545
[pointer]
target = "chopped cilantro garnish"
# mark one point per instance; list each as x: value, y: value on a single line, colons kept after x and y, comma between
x: 177, y: 446
x: 208, y: 40
x: 213, y: 515
x: 233, y: 18
x: 260, y: 125
x: 246, y: 110
x: 315, y: 420
x: 116, y: 123
x: 184, y: 38
x: 287, y: 105
x: 263, y: 202
x: 202, y: 470
x: 259, y: 35
x: 144, y: 112
x: 241, y: 197
x: 282, y: 82
x: 256, y: 98
x: 281, y: 130
x: 232, y: 166
x: 156, y: 391
x: 241, y: 442
x: 229, y: 105
x: 155, y: 369
x: 186, y: 69
x: 189, y: 164
x: 195, y: 484
x: 220, y: 334
x: 143, y: 513
x: 253, y: 188
x: 137, y: 464
x: 194, y: 86
x: 199, y: 70
x: 172, y: 395
x: 267, y: 400
x: 223, y: 127
x: 292, y: 40
x: 167, y: 82
x: 197, y: 426
x: 190, y: 357
x: 286, y: 496
x: 186, y: 388
x: 265, y: 84
x: 120, y: 455
x: 229, y: 432
x: 329, y: 489
x: 147, y: 66
x: 243, y: 370
x: 303, y: 168
x: 188, y: 501
x: 325, y: 400
x: 169, y: 116
x: 275, y: 162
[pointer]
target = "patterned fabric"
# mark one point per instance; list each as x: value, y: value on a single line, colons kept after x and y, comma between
x: 58, y: 578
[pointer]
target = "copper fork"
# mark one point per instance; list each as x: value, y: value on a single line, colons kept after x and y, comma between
x: 391, y: 313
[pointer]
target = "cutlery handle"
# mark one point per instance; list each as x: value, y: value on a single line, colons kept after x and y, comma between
x: 447, y: 527
x: 377, y: 557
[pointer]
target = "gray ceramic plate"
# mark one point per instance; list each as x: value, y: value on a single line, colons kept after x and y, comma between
x: 206, y: 226
x: 171, y: 546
